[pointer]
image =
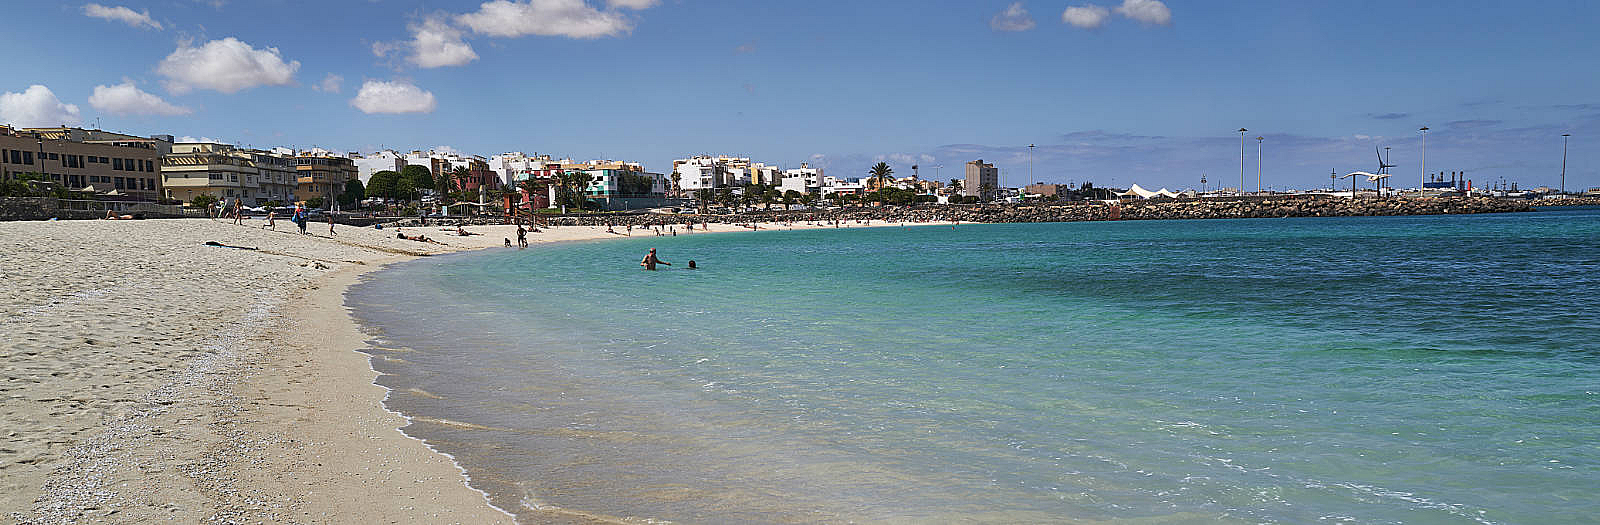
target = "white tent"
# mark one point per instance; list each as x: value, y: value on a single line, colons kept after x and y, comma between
x: 1142, y: 193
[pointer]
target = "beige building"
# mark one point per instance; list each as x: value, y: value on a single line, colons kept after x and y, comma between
x: 100, y: 162
x: 223, y: 171
x: 321, y: 174
x: 982, y: 180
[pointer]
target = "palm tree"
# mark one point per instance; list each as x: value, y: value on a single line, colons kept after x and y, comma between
x: 880, y: 171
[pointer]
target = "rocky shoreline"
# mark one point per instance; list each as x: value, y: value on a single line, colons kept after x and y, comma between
x: 1076, y: 212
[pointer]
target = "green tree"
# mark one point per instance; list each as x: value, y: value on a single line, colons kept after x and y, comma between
x: 955, y: 185
x: 573, y: 186
x: 881, y: 171
x: 703, y: 197
x: 204, y: 200
x: 352, y: 195
x: 384, y: 184
x: 419, y: 176
x: 986, y: 192
x: 790, y: 197
x: 806, y: 199
x: 315, y: 202
x: 405, y: 189
x: 451, y: 181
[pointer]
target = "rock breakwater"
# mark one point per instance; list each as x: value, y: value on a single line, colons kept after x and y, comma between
x: 1075, y: 212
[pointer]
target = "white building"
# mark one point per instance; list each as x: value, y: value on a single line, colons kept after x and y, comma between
x: 386, y: 160
x: 700, y: 173
x: 516, y: 166
x: 804, y: 179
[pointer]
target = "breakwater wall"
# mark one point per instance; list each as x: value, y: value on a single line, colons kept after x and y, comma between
x: 1075, y: 212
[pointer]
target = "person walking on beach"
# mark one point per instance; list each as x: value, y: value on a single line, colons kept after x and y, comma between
x: 330, y: 224
x: 650, y: 261
x: 522, y: 237
x: 299, y: 218
x: 272, y: 220
x: 238, y: 211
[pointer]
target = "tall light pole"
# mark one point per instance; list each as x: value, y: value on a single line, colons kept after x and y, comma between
x: 1424, y: 131
x: 1030, y: 165
x: 1241, y: 161
x: 1564, y: 162
x: 1258, y: 165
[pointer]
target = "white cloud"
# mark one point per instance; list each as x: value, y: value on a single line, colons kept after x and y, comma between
x: 37, y: 107
x: 446, y: 150
x: 1013, y: 18
x: 568, y: 18
x: 122, y: 14
x: 127, y: 99
x: 393, y: 97
x: 632, y: 4
x: 187, y: 138
x: 1147, y: 11
x: 435, y: 43
x: 329, y: 84
x: 1086, y: 16
x: 226, y: 65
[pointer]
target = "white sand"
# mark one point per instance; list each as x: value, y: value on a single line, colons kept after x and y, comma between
x: 149, y: 376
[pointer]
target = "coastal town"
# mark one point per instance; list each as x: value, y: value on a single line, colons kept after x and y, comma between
x: 73, y: 172
x: 648, y: 261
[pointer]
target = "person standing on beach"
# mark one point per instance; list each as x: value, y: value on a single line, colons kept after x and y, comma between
x: 272, y: 218
x: 330, y: 224
x: 650, y: 261
x: 522, y: 237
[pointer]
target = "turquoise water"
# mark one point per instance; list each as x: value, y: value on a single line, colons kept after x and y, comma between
x: 1321, y: 370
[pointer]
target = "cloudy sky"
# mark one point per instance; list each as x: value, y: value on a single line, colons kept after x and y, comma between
x: 1110, y: 91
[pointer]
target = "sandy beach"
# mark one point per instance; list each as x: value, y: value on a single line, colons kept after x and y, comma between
x: 149, y: 376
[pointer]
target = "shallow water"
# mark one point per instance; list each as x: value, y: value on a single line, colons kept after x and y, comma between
x: 1366, y: 370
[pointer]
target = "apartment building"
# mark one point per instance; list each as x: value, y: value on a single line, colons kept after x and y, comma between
x: 94, y: 161
x: 254, y: 177
x: 982, y: 180
x: 322, y: 174
x: 804, y: 179
x: 478, y: 173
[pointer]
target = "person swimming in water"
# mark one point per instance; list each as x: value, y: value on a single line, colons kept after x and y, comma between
x: 650, y: 261
x: 691, y: 264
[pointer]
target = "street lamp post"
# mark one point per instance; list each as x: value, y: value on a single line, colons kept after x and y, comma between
x: 1564, y: 162
x: 1241, y: 161
x: 1030, y: 165
x: 1424, y: 131
x: 1258, y: 165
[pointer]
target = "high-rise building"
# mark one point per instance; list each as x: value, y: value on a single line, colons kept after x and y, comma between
x: 982, y: 180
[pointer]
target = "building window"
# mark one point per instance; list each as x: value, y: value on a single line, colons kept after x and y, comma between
x: 53, y: 156
x: 27, y: 157
x: 120, y: 184
x: 116, y: 164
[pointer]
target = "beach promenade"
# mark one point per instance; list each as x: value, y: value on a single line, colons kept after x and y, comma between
x: 150, y: 376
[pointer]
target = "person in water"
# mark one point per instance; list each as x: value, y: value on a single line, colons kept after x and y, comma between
x: 691, y: 264
x: 650, y: 261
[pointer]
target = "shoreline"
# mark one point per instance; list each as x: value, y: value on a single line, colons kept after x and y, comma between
x: 151, y: 376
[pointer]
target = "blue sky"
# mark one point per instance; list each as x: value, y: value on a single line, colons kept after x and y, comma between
x: 1136, y: 91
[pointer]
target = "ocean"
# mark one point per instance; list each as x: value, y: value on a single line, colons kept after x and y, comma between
x: 1437, y: 369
